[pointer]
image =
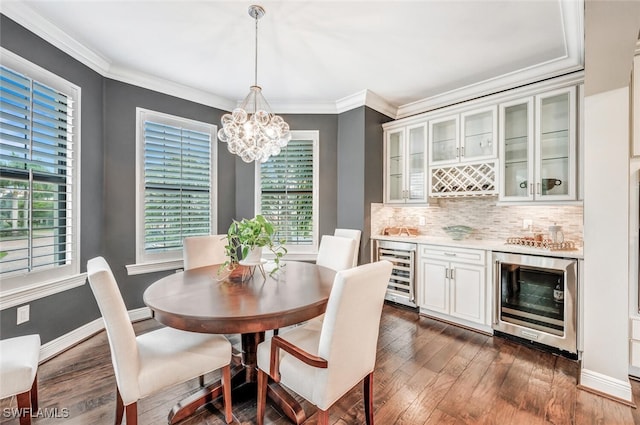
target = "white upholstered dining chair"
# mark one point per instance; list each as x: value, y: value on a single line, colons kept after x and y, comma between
x: 354, y: 234
x: 19, y: 373
x: 336, y: 252
x: 156, y: 360
x: 322, y: 365
x: 200, y: 251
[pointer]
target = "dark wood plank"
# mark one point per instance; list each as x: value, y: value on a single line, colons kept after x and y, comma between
x: 427, y: 372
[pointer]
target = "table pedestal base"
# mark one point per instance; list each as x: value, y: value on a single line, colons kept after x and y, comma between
x: 243, y: 382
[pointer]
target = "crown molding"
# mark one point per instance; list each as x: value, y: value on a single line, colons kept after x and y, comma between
x: 366, y: 98
x: 169, y: 87
x: 573, y: 60
x: 25, y: 16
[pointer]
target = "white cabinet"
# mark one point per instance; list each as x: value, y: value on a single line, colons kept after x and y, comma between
x: 538, y: 147
x: 452, y: 283
x: 405, y: 179
x: 466, y: 137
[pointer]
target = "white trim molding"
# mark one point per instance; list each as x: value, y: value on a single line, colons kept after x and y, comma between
x: 18, y: 296
x: 143, y: 268
x: 572, y: 60
x: 68, y: 340
x: 591, y: 380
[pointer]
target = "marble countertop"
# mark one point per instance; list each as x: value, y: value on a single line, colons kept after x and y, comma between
x: 486, y: 244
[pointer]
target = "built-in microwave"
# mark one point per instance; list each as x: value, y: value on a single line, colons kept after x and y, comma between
x: 536, y: 299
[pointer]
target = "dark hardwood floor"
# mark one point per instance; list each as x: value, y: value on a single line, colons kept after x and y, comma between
x: 427, y: 372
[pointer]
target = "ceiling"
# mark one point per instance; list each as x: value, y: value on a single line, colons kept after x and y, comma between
x: 399, y: 57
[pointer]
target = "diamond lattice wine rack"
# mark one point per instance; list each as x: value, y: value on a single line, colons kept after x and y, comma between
x: 464, y: 180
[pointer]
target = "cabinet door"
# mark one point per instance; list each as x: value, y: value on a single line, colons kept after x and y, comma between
x: 516, y: 150
x: 394, y: 169
x: 478, y: 134
x: 435, y: 291
x: 467, y: 286
x: 444, y: 146
x: 416, y: 163
x: 556, y: 145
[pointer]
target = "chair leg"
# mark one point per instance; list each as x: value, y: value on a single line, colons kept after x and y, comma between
x: 131, y: 412
x: 24, y: 407
x: 226, y: 393
x: 368, y: 398
x: 34, y: 393
x: 263, y: 380
x: 119, y: 407
x: 323, y: 417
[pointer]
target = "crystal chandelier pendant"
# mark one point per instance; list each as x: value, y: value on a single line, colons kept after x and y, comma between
x: 251, y: 131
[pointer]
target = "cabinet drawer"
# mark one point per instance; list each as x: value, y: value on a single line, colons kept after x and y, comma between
x: 463, y: 255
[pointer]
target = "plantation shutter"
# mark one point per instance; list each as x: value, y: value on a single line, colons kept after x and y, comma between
x: 177, y: 183
x: 36, y: 169
x: 287, y: 192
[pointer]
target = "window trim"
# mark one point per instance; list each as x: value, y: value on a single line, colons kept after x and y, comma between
x: 27, y: 287
x: 297, y: 252
x: 171, y: 260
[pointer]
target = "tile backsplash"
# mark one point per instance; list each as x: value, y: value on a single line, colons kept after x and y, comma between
x: 490, y: 221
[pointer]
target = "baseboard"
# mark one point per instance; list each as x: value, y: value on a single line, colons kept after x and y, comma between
x: 68, y: 340
x: 604, y: 385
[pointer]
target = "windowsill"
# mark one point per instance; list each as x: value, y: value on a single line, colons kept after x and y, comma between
x: 160, y: 266
x: 18, y: 296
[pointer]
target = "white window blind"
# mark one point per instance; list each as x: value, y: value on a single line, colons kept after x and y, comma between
x: 177, y: 178
x: 288, y: 185
x: 36, y: 176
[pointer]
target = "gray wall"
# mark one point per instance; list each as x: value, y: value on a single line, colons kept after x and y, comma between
x: 360, y: 165
x: 121, y: 100
x: 56, y: 315
x: 350, y: 178
x: 327, y: 125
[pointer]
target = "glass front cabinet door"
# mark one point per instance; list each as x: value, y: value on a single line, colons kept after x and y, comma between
x: 538, y: 147
x: 444, y: 140
x: 405, y: 169
x: 478, y: 131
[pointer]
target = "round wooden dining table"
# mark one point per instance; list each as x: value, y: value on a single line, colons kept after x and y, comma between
x: 241, y: 302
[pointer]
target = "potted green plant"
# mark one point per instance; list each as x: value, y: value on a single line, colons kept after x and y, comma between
x: 246, y: 239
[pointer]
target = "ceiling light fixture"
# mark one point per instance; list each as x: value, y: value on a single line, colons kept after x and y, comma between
x: 251, y: 131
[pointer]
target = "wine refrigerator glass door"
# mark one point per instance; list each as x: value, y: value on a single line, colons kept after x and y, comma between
x: 536, y: 299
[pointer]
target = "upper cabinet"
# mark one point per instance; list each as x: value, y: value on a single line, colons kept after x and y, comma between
x: 538, y: 147
x: 405, y: 178
x: 467, y: 137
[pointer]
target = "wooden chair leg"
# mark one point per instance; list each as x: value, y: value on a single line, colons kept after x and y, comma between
x: 119, y: 407
x: 226, y: 393
x: 34, y: 393
x: 368, y: 398
x: 263, y: 380
x: 24, y: 407
x: 323, y: 417
x: 132, y: 413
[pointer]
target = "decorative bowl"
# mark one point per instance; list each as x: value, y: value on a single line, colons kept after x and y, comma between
x: 458, y: 232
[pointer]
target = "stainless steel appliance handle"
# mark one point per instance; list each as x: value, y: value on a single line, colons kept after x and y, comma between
x: 497, y: 299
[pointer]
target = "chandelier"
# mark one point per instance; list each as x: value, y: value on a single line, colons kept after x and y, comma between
x: 251, y: 131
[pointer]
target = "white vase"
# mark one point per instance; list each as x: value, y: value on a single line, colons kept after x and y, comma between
x: 254, y: 256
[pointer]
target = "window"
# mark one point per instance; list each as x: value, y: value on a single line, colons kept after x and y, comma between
x: 287, y: 192
x: 175, y: 172
x: 39, y: 203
